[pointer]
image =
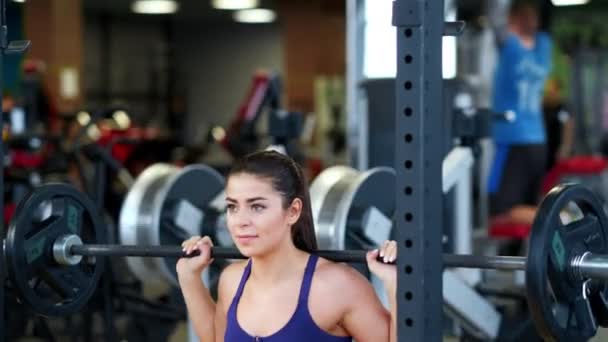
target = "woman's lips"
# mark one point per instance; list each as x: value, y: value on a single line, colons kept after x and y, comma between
x: 245, y: 239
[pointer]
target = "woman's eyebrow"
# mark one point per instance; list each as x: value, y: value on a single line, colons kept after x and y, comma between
x: 253, y: 199
x: 249, y: 200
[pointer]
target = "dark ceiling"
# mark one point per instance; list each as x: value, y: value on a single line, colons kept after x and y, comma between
x: 199, y: 10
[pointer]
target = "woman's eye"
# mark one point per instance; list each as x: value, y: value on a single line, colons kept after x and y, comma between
x: 230, y: 208
x: 257, y: 207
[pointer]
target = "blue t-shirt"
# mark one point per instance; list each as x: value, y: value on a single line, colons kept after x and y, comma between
x: 519, y: 86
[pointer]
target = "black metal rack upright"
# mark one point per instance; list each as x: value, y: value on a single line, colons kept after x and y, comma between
x: 418, y: 161
x: 5, y: 48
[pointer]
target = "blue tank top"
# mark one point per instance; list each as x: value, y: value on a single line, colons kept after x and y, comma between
x: 300, y: 327
x: 519, y: 85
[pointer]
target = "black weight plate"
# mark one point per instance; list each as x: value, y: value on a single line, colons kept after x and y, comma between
x: 198, y: 185
x: 51, y: 211
x: 555, y: 294
x: 370, y: 191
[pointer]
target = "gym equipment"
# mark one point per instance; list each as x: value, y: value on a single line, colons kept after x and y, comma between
x: 350, y: 211
x: 323, y: 201
x: 165, y: 206
x: 562, y: 262
x: 284, y: 127
x: 469, y: 309
x: 343, y: 200
x: 53, y: 257
x: 53, y: 213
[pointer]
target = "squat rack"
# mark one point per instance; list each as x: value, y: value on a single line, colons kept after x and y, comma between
x: 418, y: 159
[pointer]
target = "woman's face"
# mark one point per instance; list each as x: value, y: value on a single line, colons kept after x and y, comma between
x: 256, y: 219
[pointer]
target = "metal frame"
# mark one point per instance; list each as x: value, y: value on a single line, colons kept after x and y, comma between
x: 3, y: 47
x: 457, y: 170
x: 356, y: 144
x: 467, y: 307
x: 418, y: 162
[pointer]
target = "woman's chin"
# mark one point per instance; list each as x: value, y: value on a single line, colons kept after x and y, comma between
x: 247, y: 251
x: 251, y: 251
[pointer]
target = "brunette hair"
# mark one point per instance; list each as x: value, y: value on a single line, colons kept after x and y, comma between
x: 287, y: 178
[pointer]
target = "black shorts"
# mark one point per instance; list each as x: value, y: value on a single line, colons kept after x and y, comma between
x: 516, y: 176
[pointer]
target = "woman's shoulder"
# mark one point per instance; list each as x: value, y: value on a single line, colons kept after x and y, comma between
x: 230, y: 278
x: 232, y: 273
x: 339, y: 276
x: 340, y: 286
x: 234, y: 268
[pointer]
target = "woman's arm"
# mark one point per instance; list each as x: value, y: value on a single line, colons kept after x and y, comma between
x: 220, y: 321
x: 209, y: 318
x: 388, y: 275
x: 392, y: 297
x: 227, y: 286
x: 201, y: 308
x: 364, y: 318
x: 200, y: 305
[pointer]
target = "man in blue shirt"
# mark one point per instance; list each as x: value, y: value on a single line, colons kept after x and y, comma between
x: 519, y: 162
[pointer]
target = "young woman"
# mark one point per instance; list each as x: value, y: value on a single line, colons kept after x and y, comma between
x: 283, y: 292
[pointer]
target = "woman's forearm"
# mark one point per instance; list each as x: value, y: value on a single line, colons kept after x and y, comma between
x: 391, y: 291
x: 201, y: 308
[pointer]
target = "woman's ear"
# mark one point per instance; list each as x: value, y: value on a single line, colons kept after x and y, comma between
x: 294, y: 211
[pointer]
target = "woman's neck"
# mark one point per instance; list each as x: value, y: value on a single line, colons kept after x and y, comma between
x: 277, y: 265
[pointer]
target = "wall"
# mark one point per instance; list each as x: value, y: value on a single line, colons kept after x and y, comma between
x: 217, y: 64
x: 315, y: 45
x: 213, y: 65
x: 55, y: 30
x: 132, y: 70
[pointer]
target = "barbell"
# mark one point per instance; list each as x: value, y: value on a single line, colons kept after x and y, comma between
x: 54, y: 255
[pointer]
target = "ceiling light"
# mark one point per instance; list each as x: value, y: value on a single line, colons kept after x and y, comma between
x: 234, y: 4
x: 218, y: 133
x: 122, y: 119
x: 19, y: 1
x: 94, y: 133
x: 255, y: 16
x: 155, y: 6
x: 83, y: 118
x: 569, y: 2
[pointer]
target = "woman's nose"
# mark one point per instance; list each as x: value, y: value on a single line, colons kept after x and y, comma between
x: 238, y: 219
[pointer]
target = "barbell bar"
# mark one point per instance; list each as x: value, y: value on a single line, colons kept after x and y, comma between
x: 585, y: 266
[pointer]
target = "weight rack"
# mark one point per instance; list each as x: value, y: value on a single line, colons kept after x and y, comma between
x: 3, y: 47
x: 418, y: 160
